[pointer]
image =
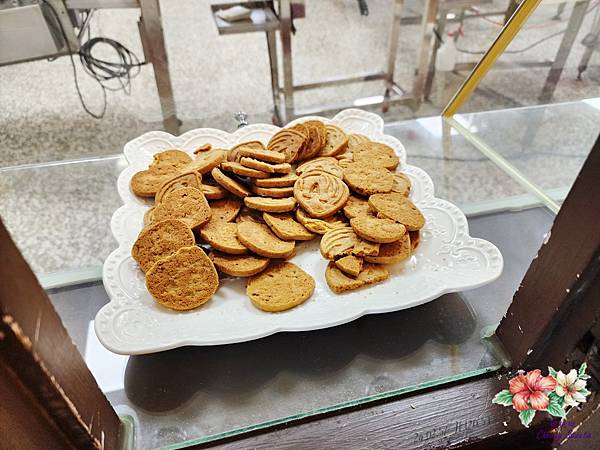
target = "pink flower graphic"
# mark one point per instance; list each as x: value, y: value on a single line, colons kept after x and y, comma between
x: 531, y: 389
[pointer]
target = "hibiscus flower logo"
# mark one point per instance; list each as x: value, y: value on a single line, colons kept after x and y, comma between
x: 529, y: 392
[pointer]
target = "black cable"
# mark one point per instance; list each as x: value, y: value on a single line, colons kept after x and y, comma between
x: 101, y: 70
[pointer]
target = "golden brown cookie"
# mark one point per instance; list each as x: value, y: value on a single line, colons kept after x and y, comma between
x: 366, y: 248
x: 317, y: 137
x: 373, y: 273
x: 267, y: 204
x: 187, y: 204
x: 355, y: 206
x: 211, y: 189
x: 393, y: 252
x: 238, y: 265
x: 183, y: 280
x: 415, y: 239
x: 288, y: 142
x: 189, y: 179
x: 249, y: 215
x: 319, y: 226
x: 265, y: 166
x: 149, y: 216
x: 203, y: 148
x: 276, y: 192
x: 234, y: 153
x: 223, y: 236
x: 397, y: 207
x: 165, y: 165
x: 262, y: 155
x: 350, y: 265
x: 338, y: 281
x: 207, y: 161
x: 286, y: 180
x: 355, y: 140
x: 337, y: 141
x: 225, y: 210
x: 160, y: 240
x: 260, y: 239
x: 401, y: 184
x: 375, y: 229
x: 324, y: 164
x: 280, y: 287
x: 320, y: 194
x: 338, y: 242
x: 376, y: 154
x: 229, y: 184
x: 344, y: 162
x: 243, y: 171
x: 286, y: 228
x: 367, y: 180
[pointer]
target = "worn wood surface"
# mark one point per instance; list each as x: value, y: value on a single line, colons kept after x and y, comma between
x: 459, y: 415
x: 36, y: 348
x: 549, y: 313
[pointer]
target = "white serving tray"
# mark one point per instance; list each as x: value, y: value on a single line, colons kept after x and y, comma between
x: 447, y: 260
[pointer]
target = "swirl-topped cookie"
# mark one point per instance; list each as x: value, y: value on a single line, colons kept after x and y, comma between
x: 320, y: 194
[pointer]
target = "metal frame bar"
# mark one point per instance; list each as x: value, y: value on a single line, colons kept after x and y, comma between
x: 507, y: 34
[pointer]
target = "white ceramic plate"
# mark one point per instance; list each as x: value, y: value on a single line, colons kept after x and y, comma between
x: 447, y: 260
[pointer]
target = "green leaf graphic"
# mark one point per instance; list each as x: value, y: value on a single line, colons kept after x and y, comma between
x: 503, y: 398
x: 526, y: 417
x: 584, y: 391
x: 582, y: 370
x: 552, y: 371
x: 555, y: 410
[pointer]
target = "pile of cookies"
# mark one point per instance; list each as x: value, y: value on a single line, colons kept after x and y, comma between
x: 250, y: 205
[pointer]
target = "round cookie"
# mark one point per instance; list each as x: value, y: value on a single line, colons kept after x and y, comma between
x: 160, y: 240
x: 249, y: 215
x: 336, y: 143
x: 377, y: 230
x: 286, y: 228
x: 146, y: 183
x: 211, y: 189
x: 393, y: 252
x: 288, y: 142
x: 260, y: 239
x: 276, y: 192
x: 224, y: 210
x: 355, y: 139
x: 267, y: 204
x: 262, y: 155
x: 238, y: 265
x: 324, y: 164
x: 317, y: 137
x: 280, y: 287
x: 402, y: 184
x: 338, y: 281
x: 235, y: 153
x: 223, y: 236
x: 320, y: 194
x: 376, y: 154
x: 172, y: 157
x: 367, y: 180
x: 183, y: 280
x: 189, y: 179
x: 187, y: 204
x: 243, y: 171
x: 355, y: 206
x: 229, y: 184
x: 207, y: 161
x: 286, y: 180
x: 338, y: 242
x: 319, y: 226
x: 397, y: 207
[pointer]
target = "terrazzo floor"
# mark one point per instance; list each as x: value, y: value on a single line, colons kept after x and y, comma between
x: 59, y: 215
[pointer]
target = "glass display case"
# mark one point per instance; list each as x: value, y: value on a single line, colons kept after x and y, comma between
x: 506, y: 157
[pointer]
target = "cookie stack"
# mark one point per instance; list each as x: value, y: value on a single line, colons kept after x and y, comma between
x: 251, y: 204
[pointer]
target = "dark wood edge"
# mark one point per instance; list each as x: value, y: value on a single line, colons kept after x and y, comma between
x: 457, y: 415
x: 553, y: 291
x: 35, y: 346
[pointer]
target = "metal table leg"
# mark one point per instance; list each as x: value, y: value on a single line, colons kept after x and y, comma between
x: 440, y: 27
x: 392, y: 51
x: 274, y: 69
x: 591, y: 42
x: 155, y: 51
x: 285, y: 20
x: 575, y: 21
x: 429, y: 18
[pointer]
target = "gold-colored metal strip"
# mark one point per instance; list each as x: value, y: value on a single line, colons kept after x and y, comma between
x: 507, y: 167
x: 507, y: 34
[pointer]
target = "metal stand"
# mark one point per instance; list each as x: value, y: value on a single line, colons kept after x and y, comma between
x: 591, y: 42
